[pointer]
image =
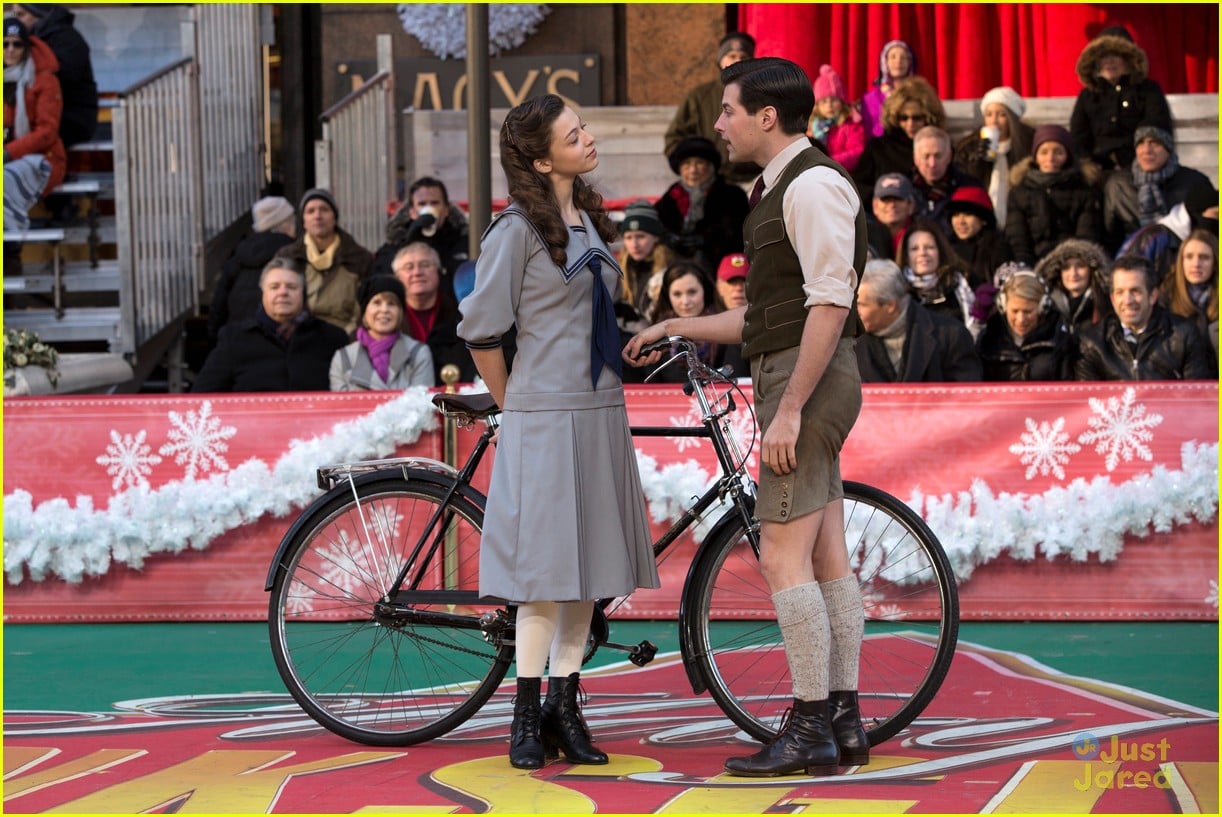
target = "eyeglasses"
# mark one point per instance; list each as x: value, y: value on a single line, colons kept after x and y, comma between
x: 913, y: 118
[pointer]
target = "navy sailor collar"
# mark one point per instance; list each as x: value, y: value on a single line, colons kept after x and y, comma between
x: 597, y: 249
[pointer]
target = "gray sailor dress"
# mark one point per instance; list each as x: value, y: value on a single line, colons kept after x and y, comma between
x: 565, y: 518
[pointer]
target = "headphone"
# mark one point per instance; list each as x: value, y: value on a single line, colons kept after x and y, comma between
x: 1005, y: 276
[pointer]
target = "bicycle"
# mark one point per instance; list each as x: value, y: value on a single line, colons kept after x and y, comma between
x: 379, y: 632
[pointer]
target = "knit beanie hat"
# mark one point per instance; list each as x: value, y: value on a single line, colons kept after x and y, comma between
x: 319, y: 193
x: 1007, y: 96
x: 378, y: 284
x: 1156, y: 133
x: 696, y: 146
x: 1052, y: 133
x: 736, y: 41
x: 883, y: 76
x: 640, y: 215
x: 973, y: 200
x: 38, y: 9
x: 14, y: 28
x: 828, y: 84
x: 270, y: 212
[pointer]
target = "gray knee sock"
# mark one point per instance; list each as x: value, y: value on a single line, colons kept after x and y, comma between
x: 846, y: 620
x: 803, y: 621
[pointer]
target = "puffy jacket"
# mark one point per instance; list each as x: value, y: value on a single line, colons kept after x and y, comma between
x: 237, y: 295
x: 44, y: 105
x: 719, y: 232
x: 1106, y: 116
x: 1039, y: 216
x: 1044, y: 355
x: 1171, y: 348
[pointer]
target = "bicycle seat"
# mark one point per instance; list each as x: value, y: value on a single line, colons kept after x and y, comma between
x: 476, y: 406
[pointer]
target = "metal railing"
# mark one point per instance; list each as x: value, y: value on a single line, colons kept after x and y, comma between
x: 355, y: 157
x: 188, y: 143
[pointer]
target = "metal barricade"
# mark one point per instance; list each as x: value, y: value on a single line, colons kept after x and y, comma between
x: 355, y: 157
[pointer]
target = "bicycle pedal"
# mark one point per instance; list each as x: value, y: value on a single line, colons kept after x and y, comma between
x: 643, y: 653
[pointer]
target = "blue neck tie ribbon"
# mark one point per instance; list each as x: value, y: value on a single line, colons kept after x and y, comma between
x: 604, y: 339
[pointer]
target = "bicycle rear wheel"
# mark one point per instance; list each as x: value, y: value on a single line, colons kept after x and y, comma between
x: 911, y: 610
x: 383, y: 667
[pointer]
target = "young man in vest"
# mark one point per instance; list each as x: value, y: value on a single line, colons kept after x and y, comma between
x: 805, y: 239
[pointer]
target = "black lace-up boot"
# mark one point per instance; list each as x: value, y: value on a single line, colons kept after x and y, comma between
x: 804, y: 744
x: 846, y: 726
x: 525, y: 746
x: 564, y: 729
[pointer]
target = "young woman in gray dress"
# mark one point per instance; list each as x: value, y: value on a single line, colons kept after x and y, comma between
x: 565, y: 522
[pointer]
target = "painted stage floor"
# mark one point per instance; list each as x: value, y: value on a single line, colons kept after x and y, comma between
x: 192, y: 718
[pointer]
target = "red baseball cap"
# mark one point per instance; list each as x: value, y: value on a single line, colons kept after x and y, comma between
x: 733, y: 266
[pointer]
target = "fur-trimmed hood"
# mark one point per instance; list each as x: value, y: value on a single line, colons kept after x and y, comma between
x: 1088, y: 60
x: 1092, y: 174
x: 1050, y: 266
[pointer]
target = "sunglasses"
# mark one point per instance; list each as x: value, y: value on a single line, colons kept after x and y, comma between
x: 13, y: 44
x: 914, y: 118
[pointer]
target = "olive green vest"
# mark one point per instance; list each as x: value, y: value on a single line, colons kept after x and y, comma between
x: 776, y: 303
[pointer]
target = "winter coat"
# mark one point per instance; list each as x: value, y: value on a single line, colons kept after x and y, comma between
x: 1105, y: 117
x: 1046, y: 353
x: 1041, y: 216
x: 982, y: 254
x: 937, y: 349
x: 889, y: 153
x: 237, y: 295
x: 1171, y: 348
x: 248, y: 357
x: 972, y: 152
x: 331, y: 295
x: 931, y: 199
x: 846, y: 142
x: 1076, y: 314
x: 1122, y: 211
x: 411, y: 364
x: 695, y: 117
x: 451, y: 242
x: 75, y: 75
x: 719, y: 233
x: 44, y: 106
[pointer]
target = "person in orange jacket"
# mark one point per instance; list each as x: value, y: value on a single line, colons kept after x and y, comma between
x: 34, y: 157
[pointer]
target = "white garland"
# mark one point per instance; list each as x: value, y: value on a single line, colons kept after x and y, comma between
x: 975, y: 526
x: 442, y: 27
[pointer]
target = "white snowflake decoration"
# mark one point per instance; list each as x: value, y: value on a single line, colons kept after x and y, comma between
x: 1212, y: 596
x: 129, y: 460
x: 442, y: 27
x: 198, y: 441
x: 742, y: 432
x: 1120, y: 429
x: 1045, y: 448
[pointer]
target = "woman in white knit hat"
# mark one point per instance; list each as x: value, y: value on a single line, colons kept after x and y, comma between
x: 237, y: 294
x: 1003, y: 140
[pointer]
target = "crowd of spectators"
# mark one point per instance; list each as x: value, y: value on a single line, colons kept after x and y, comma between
x: 1019, y: 252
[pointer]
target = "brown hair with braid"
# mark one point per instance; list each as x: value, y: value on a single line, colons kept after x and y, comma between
x: 526, y: 136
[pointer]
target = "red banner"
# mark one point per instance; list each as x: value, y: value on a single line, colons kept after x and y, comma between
x: 1052, y: 501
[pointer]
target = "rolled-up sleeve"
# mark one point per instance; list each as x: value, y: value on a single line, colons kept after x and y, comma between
x: 488, y: 312
x: 820, y: 208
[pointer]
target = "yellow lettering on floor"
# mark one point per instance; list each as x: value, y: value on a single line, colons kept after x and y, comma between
x: 220, y: 781
x: 17, y: 759
x: 1195, y: 786
x: 728, y: 799
x: 506, y: 789
x: 1058, y: 786
x: 406, y: 810
x: 617, y: 766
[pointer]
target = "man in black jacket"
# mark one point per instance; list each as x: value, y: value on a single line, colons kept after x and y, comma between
x: 53, y: 24
x: 1141, y: 341
x: 282, y: 348
x: 904, y: 341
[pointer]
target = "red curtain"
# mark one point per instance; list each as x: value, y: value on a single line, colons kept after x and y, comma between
x: 966, y: 49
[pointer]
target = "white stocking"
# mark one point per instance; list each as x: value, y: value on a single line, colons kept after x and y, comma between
x: 536, y: 627
x: 569, y: 644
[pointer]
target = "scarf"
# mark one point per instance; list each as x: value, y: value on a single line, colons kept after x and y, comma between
x: 23, y: 75
x: 695, y: 206
x: 893, y: 338
x: 379, y: 351
x: 999, y: 182
x: 923, y: 282
x: 820, y: 128
x: 321, y: 260
x: 280, y: 332
x: 1200, y: 295
x: 1057, y: 177
x: 1150, y: 189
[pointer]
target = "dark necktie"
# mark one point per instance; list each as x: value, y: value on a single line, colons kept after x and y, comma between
x: 757, y: 193
x: 604, y: 339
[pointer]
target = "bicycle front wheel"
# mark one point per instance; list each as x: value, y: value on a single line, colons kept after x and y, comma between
x: 911, y: 627
x: 373, y: 662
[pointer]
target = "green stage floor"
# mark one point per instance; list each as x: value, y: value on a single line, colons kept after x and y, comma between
x: 90, y: 666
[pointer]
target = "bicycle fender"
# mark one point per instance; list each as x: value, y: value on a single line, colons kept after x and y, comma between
x: 413, y: 475
x: 687, y: 624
